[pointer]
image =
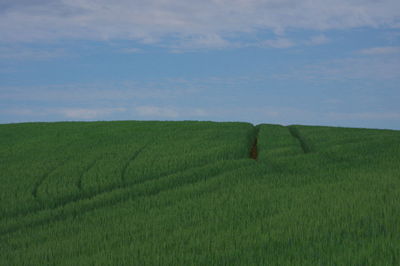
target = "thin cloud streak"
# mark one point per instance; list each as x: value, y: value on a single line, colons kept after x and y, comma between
x: 374, y: 68
x: 278, y: 43
x: 86, y: 113
x: 381, y: 50
x: 27, y: 53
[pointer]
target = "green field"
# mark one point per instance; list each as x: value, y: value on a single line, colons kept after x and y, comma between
x: 184, y: 193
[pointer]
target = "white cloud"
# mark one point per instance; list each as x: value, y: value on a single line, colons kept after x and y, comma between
x: 131, y: 50
x: 381, y: 50
x: 278, y: 43
x: 22, y: 112
x: 105, y: 91
x: 202, y: 23
x: 161, y: 112
x: 366, y: 68
x: 22, y: 53
x: 212, y: 41
x: 62, y: 113
x: 103, y: 113
x: 198, y: 112
x: 317, y: 40
x: 155, y: 111
x: 87, y: 113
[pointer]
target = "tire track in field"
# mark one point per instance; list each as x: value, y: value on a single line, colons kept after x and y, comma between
x: 41, y: 180
x: 63, y: 201
x: 124, y: 168
x: 77, y: 197
x: 43, y: 177
x: 126, y: 193
x: 87, y: 169
x: 296, y: 134
x: 254, y: 150
x: 131, y: 159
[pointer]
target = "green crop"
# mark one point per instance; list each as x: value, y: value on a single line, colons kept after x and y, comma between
x: 183, y: 193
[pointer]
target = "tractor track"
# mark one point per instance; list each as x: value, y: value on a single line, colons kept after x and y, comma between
x: 253, y: 149
x: 126, y: 193
x: 303, y: 143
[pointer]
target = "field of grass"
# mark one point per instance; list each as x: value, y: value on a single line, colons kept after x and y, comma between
x: 183, y: 193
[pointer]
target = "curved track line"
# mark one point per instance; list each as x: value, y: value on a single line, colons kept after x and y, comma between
x: 130, y: 160
x: 43, y: 177
x: 87, y: 169
x: 296, y: 134
x: 41, y: 180
x: 62, y: 215
x: 88, y: 195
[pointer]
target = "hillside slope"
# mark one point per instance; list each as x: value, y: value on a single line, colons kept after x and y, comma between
x: 145, y: 193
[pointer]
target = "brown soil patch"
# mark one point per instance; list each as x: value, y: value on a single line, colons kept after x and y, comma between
x: 253, y: 152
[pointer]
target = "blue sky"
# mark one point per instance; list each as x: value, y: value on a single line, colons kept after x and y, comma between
x: 331, y: 62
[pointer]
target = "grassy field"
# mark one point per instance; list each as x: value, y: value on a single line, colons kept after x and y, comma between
x: 183, y: 193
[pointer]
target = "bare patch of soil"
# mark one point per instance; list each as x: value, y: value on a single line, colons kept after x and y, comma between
x: 253, y: 151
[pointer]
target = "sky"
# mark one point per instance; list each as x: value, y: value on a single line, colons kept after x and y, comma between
x: 332, y: 62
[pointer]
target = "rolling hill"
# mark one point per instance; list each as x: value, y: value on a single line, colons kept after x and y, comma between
x: 203, y: 193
